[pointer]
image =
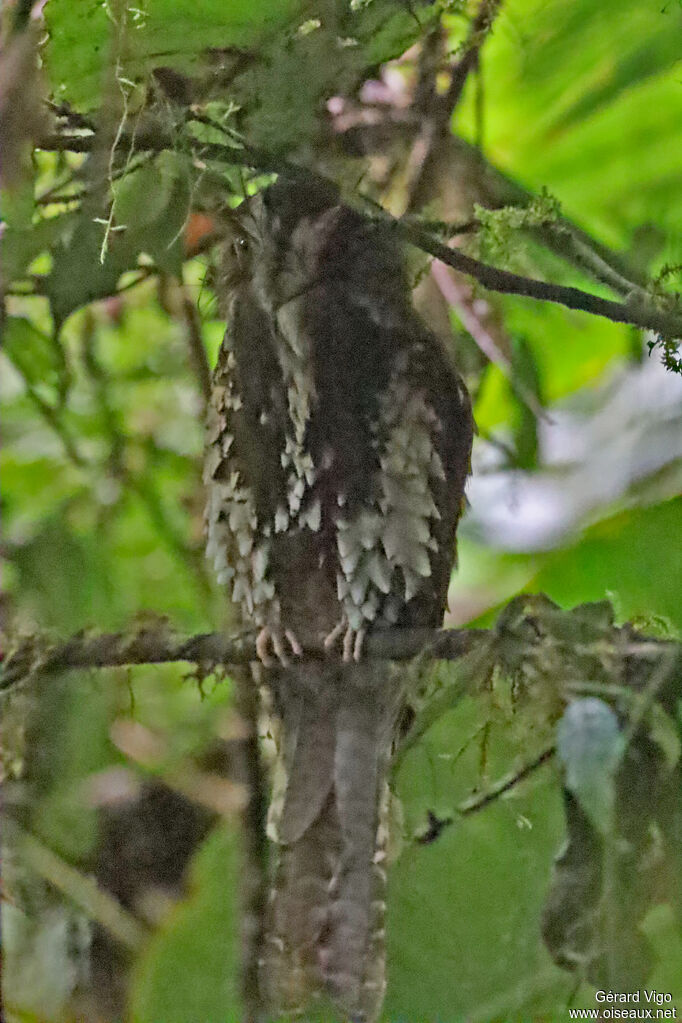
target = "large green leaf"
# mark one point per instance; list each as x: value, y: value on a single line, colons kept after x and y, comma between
x: 159, y: 32
x: 190, y: 969
x: 35, y: 354
x: 149, y: 210
x: 464, y: 910
x: 635, y: 557
x: 83, y: 269
x: 298, y: 53
x: 584, y: 99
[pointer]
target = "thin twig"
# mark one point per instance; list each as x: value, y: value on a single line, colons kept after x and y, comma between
x: 468, y: 60
x: 644, y: 701
x: 468, y: 672
x: 494, y: 191
x: 584, y: 255
x: 254, y: 888
x: 435, y: 125
x: 53, y: 197
x: 83, y: 891
x: 458, y: 295
x: 136, y: 483
x: 191, y: 557
x: 436, y: 825
x: 53, y: 419
x: 195, y: 345
x: 505, y: 784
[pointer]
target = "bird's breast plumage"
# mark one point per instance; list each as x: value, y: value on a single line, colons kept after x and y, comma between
x: 338, y: 449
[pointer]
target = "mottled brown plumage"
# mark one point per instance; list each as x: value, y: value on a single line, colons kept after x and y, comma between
x: 337, y: 453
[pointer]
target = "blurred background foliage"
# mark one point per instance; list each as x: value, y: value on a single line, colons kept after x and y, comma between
x: 575, y: 493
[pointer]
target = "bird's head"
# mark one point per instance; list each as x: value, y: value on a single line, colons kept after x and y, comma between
x: 297, y: 234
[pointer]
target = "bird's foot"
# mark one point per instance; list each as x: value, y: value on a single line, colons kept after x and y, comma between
x: 279, y: 642
x: 351, y: 643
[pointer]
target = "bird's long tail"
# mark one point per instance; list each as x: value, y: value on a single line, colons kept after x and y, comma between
x: 325, y: 933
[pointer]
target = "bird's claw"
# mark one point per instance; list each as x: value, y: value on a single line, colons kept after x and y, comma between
x: 277, y: 640
x: 351, y: 644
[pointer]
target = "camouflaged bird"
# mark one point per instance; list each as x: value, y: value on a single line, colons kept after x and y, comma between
x: 338, y: 448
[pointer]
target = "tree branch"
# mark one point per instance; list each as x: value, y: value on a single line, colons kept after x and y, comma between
x: 506, y: 784
x: 53, y: 418
x: 497, y: 189
x: 637, y: 312
x: 481, y: 800
x: 158, y: 645
x: 436, y: 110
x: 254, y: 888
x: 366, y: 127
x: 82, y: 890
x: 478, y: 32
x: 195, y: 345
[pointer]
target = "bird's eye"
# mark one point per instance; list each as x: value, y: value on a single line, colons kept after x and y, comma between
x: 240, y: 247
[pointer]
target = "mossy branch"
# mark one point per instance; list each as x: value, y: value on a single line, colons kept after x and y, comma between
x: 159, y: 645
x: 532, y: 635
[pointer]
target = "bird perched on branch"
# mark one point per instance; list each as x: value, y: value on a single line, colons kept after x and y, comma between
x: 338, y: 448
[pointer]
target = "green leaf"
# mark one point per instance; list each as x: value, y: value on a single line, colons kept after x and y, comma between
x: 288, y: 74
x: 20, y: 246
x: 169, y: 32
x: 662, y: 929
x: 35, y: 354
x: 150, y: 208
x: 66, y: 577
x: 142, y: 195
x: 526, y: 385
x: 190, y: 969
x: 460, y: 939
x: 152, y: 205
x: 22, y: 238
x: 79, y: 274
x: 634, y: 555
x: 584, y: 98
